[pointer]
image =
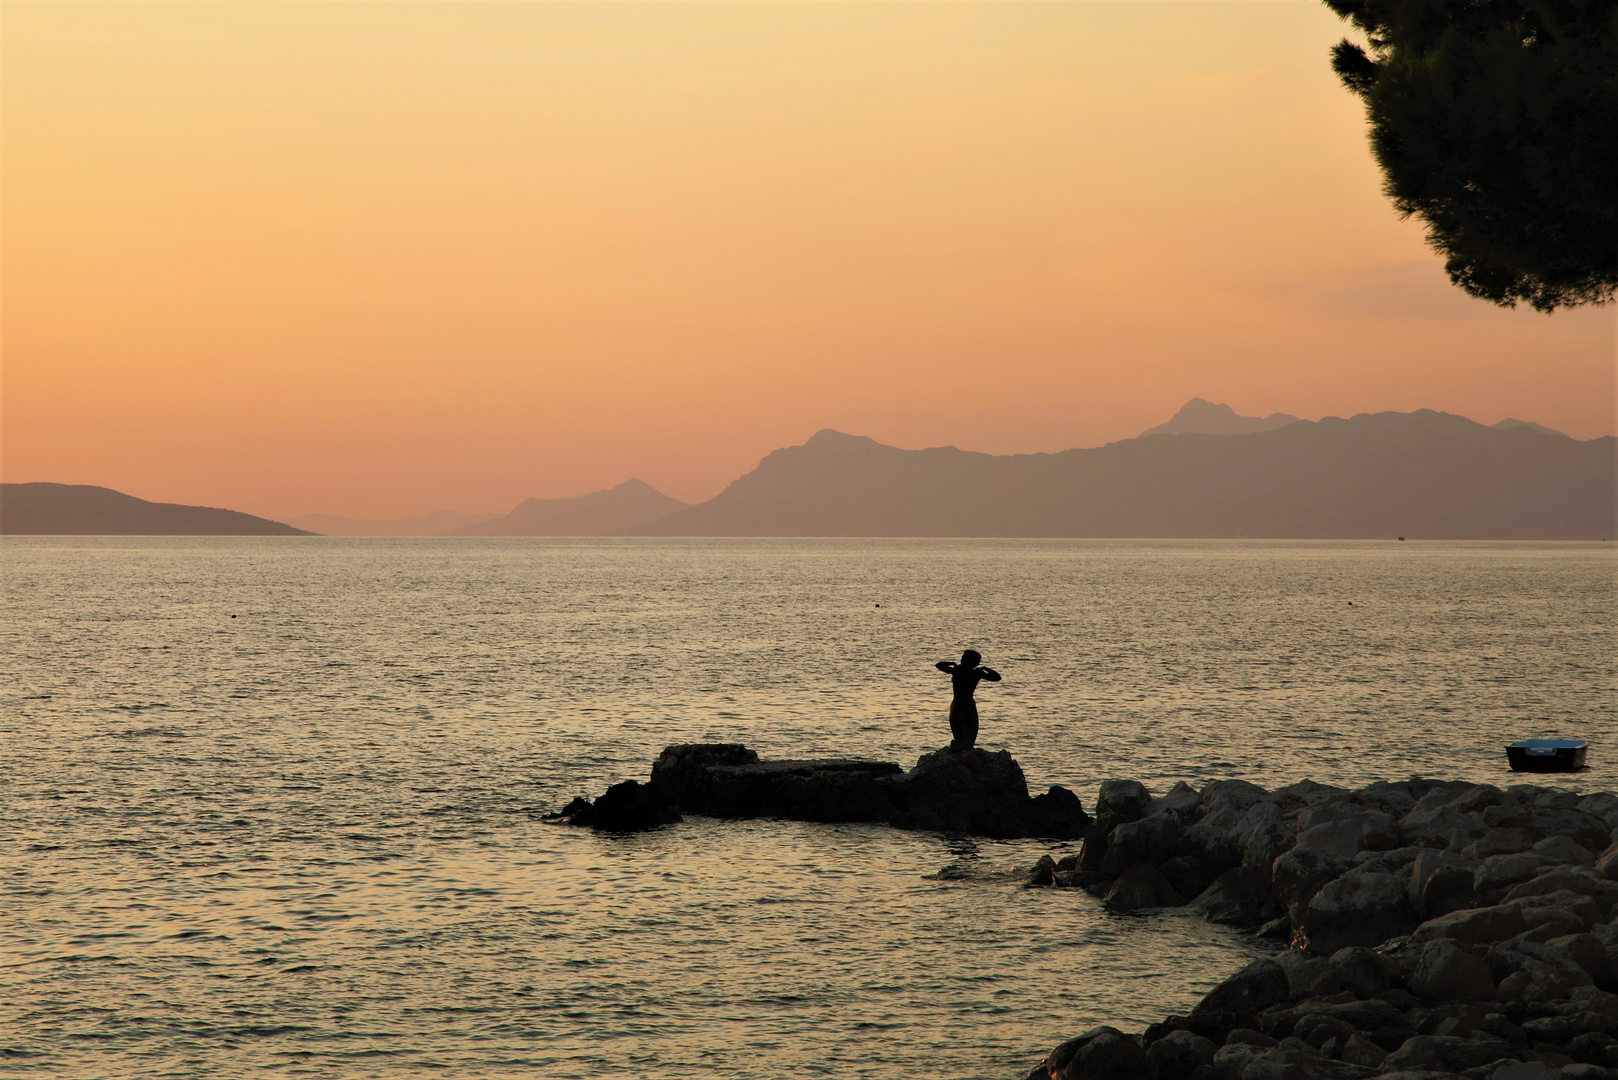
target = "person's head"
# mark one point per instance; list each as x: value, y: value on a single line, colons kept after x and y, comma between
x: 971, y: 658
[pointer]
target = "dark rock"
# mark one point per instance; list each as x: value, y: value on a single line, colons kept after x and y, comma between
x: 1441, y: 882
x: 1277, y: 929
x: 1359, y: 971
x: 1448, y: 971
x: 1251, y: 990
x: 1564, y: 850
x: 1232, y: 1059
x: 1578, y: 879
x: 633, y: 807
x: 1179, y: 1054
x: 1588, y: 952
x: 1594, y: 1048
x: 1097, y: 835
x: 1359, y: 1050
x: 1238, y: 897
x: 1358, y: 909
x: 1475, y: 925
x: 1439, y: 1052
x: 577, y: 812
x: 1501, y: 872
x: 1182, y: 802
x: 1186, y: 874
x: 1301, y: 1062
x: 1251, y: 1038
x: 1308, y: 976
x: 1140, y: 887
x: 1501, y: 840
x: 1126, y: 800
x: 1316, y: 1030
x: 1057, y: 814
x: 1265, y: 834
x: 1150, y: 840
x: 1301, y: 873
x: 1103, y: 1053
x: 1043, y: 875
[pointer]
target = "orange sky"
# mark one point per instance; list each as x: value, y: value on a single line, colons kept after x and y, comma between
x: 382, y: 259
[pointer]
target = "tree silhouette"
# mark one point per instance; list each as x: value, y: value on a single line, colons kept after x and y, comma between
x: 1496, y: 122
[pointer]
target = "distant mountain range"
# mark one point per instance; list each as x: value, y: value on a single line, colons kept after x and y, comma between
x: 1423, y: 474
x: 83, y: 510
x: 600, y: 513
x: 1208, y: 472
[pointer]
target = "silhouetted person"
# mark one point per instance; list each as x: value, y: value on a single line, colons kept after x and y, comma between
x: 963, y: 710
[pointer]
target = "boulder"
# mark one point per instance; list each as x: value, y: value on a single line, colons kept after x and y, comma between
x: 1359, y: 971
x: 1238, y: 897
x: 1588, y: 952
x: 1358, y: 909
x: 1501, y: 840
x: 1342, y: 838
x: 1057, y: 814
x: 1500, y: 872
x: 1565, y: 850
x: 1308, y: 976
x: 1607, y: 863
x: 1181, y: 802
x: 1265, y: 834
x: 1186, y: 874
x: 1142, y: 886
x: 1302, y: 1063
x: 1358, y: 1050
x: 1231, y: 1060
x: 967, y: 791
x: 1178, y: 1055
x: 1441, y: 1052
x: 1475, y: 925
x: 1126, y: 800
x: 1102, y: 1053
x: 1441, y: 882
x: 1250, y: 991
x: 1577, y: 879
x: 1298, y: 874
x: 1153, y: 840
x: 633, y: 807
x: 1448, y: 971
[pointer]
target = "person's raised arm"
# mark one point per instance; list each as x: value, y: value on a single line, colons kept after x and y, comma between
x: 989, y: 673
x: 946, y: 666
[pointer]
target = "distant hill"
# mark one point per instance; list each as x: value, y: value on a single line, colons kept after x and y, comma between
x: 1425, y: 475
x: 601, y: 513
x: 437, y: 523
x: 1199, y: 417
x: 83, y: 510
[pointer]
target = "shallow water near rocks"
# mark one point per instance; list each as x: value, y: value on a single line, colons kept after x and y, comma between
x: 271, y: 806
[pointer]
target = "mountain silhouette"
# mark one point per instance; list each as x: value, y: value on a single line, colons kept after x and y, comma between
x: 1199, y: 417
x: 1423, y: 475
x: 437, y: 523
x: 84, y: 510
x: 600, y: 513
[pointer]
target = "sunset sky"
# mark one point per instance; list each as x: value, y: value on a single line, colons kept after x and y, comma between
x: 380, y: 259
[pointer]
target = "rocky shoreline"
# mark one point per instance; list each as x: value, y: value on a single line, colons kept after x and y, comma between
x: 1427, y: 930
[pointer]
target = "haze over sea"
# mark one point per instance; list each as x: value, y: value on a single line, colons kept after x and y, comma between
x: 272, y: 806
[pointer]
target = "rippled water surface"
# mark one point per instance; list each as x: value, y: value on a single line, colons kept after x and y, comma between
x: 271, y: 806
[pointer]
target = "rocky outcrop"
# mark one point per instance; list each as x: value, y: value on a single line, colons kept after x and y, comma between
x: 976, y: 792
x: 1435, y: 930
x: 627, y: 807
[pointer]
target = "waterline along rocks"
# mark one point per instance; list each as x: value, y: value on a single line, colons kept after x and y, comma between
x: 973, y: 791
x: 1430, y: 930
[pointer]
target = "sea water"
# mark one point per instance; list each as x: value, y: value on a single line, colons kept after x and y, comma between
x: 273, y: 806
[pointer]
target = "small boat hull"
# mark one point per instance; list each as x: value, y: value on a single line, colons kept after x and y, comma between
x: 1547, y: 755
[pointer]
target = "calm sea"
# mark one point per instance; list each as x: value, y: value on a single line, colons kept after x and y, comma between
x: 272, y: 806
